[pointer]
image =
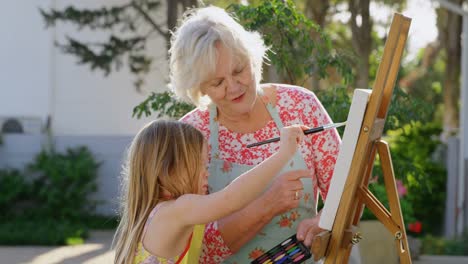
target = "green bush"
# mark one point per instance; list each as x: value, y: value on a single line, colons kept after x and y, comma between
x: 51, y: 204
x: 13, y: 189
x: 65, y: 182
x: 412, y: 148
x: 432, y: 245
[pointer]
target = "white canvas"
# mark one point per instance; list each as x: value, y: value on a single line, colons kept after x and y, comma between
x: 345, y: 157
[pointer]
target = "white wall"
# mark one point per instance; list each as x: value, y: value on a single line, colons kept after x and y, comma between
x: 37, y: 79
x: 24, y: 60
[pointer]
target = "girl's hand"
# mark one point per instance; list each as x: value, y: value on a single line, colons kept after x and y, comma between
x: 291, y: 136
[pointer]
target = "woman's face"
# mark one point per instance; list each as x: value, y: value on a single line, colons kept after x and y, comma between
x: 204, y: 174
x: 232, y: 86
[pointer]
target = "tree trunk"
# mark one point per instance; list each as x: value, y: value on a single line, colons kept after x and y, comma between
x: 173, y: 12
x: 172, y: 15
x: 316, y: 11
x: 449, y: 26
x: 361, y: 27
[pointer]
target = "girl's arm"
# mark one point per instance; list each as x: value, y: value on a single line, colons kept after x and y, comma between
x: 199, y: 209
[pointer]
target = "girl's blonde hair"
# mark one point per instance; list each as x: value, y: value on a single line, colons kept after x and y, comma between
x: 164, y: 156
x: 193, y: 53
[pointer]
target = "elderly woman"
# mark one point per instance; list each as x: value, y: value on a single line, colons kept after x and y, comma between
x: 217, y: 65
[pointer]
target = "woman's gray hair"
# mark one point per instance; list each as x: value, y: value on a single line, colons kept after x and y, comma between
x: 193, y: 54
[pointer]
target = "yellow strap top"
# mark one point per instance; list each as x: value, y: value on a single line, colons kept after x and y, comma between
x: 189, y: 256
x: 193, y: 253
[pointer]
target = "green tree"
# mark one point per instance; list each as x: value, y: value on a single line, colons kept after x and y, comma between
x: 295, y: 52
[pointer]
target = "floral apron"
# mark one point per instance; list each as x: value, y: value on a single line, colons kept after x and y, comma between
x: 280, y: 227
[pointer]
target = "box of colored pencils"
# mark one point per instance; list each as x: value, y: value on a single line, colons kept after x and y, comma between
x: 289, y: 251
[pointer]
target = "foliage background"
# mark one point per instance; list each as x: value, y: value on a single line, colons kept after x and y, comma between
x: 50, y: 201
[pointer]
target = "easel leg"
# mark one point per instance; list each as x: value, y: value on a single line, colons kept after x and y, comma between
x: 344, y: 254
x: 393, y: 219
x: 394, y: 201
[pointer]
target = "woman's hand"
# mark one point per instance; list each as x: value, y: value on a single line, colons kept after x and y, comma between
x: 281, y: 196
x: 291, y: 136
x: 308, y: 229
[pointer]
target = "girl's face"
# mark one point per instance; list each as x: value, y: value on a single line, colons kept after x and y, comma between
x: 203, y: 179
x: 232, y: 86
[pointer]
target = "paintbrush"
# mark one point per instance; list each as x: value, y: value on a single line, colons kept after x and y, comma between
x: 306, y: 132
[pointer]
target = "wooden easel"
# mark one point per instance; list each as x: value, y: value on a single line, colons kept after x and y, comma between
x: 335, y: 245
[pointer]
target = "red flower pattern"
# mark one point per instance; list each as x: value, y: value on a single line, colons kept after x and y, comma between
x: 294, y: 215
x: 214, y: 250
x: 227, y: 167
x: 284, y: 221
x: 257, y: 252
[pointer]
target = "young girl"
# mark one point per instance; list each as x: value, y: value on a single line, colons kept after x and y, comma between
x: 164, y: 205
